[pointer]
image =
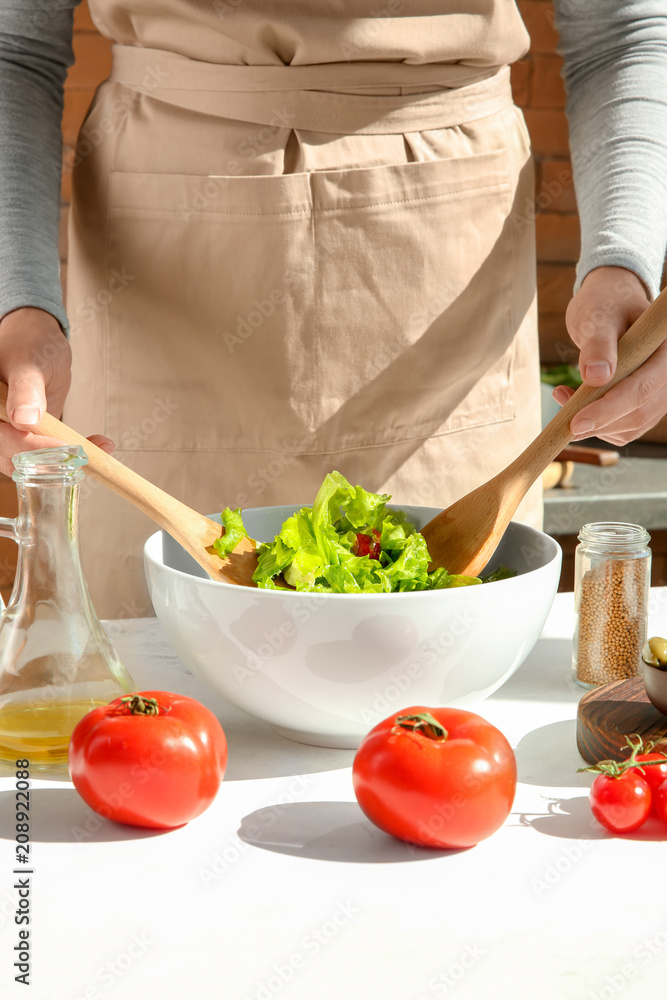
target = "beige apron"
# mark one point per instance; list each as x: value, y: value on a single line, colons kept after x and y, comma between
x: 280, y: 270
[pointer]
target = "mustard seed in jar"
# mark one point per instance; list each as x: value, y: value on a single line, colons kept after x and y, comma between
x: 611, y: 588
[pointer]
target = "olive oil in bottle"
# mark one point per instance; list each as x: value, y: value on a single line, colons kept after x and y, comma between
x: 56, y: 662
x: 43, y: 735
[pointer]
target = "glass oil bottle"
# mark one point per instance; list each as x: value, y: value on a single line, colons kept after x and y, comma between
x: 56, y: 662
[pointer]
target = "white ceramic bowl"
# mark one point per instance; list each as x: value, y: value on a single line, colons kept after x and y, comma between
x: 325, y: 668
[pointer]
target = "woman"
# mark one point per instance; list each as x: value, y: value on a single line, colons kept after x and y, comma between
x: 300, y: 240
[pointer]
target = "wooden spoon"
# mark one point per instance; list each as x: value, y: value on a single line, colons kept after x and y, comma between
x: 464, y: 536
x: 194, y: 531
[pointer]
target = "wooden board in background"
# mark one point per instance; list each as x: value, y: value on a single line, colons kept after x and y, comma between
x: 606, y: 715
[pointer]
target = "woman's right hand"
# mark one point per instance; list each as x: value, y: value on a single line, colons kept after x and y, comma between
x: 35, y: 363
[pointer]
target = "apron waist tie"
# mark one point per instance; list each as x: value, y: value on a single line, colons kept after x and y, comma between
x: 323, y: 98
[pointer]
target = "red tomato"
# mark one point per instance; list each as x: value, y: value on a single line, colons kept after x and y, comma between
x: 621, y: 803
x: 660, y: 800
x: 441, y: 777
x: 653, y: 775
x: 156, y: 770
x: 367, y: 546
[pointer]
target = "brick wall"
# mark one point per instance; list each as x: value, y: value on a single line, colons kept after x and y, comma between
x: 538, y: 89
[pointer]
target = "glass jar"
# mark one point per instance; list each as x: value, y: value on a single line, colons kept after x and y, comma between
x: 56, y: 662
x: 612, y: 576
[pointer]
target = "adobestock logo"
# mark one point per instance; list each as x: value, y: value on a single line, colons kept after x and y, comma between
x: 399, y: 682
x: 449, y: 978
x: 554, y: 871
x: 311, y: 944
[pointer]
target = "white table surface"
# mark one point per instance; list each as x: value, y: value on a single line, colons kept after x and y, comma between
x: 284, y: 889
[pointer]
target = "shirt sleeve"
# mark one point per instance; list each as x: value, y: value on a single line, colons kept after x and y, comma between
x: 615, y: 72
x: 35, y: 52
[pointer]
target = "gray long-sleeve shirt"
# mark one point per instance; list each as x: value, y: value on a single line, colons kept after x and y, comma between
x: 615, y: 54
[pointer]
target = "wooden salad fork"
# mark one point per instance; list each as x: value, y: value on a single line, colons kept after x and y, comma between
x: 463, y: 537
x: 195, y: 532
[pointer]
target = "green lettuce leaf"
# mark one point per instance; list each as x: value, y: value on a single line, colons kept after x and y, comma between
x: 234, y: 531
x: 500, y: 573
x: 272, y: 559
x: 315, y: 549
x: 455, y: 580
x: 411, y: 564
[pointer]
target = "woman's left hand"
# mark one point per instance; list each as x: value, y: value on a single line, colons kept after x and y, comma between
x: 609, y: 301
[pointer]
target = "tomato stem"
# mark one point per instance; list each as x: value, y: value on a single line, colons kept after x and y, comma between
x: 615, y: 768
x: 425, y: 723
x: 137, y: 705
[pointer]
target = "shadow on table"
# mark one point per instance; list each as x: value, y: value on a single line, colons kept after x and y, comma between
x: 548, y: 756
x: 59, y: 815
x: 572, y: 819
x: 328, y: 831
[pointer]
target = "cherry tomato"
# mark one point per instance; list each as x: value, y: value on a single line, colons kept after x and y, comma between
x: 653, y: 775
x: 660, y: 800
x: 621, y: 803
x: 153, y: 759
x: 441, y: 777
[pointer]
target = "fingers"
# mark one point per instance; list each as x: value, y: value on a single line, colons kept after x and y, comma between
x: 13, y: 441
x: 562, y: 393
x: 608, y: 302
x: 631, y: 404
x: 26, y: 398
x: 35, y: 359
x: 103, y: 442
x: 627, y: 410
x: 29, y: 395
x: 633, y: 425
x: 597, y: 340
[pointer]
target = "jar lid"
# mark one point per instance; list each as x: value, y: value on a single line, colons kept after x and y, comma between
x: 616, y: 534
x: 62, y: 464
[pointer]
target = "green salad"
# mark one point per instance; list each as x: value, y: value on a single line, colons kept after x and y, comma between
x: 346, y: 543
x: 561, y: 375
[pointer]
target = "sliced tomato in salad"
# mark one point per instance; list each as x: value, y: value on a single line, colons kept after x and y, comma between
x: 368, y: 545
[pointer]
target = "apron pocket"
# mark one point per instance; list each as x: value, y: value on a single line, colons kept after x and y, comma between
x: 415, y: 316
x: 219, y: 280
x: 310, y: 313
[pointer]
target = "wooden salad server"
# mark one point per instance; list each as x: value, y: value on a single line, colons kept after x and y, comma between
x: 463, y: 537
x: 194, y: 531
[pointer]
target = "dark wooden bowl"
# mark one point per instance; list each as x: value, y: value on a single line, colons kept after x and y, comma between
x: 655, y: 682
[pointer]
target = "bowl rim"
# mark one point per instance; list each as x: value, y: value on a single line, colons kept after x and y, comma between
x: 657, y: 681
x: 153, y: 539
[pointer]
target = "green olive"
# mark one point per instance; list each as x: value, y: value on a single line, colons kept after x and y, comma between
x: 655, y: 652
